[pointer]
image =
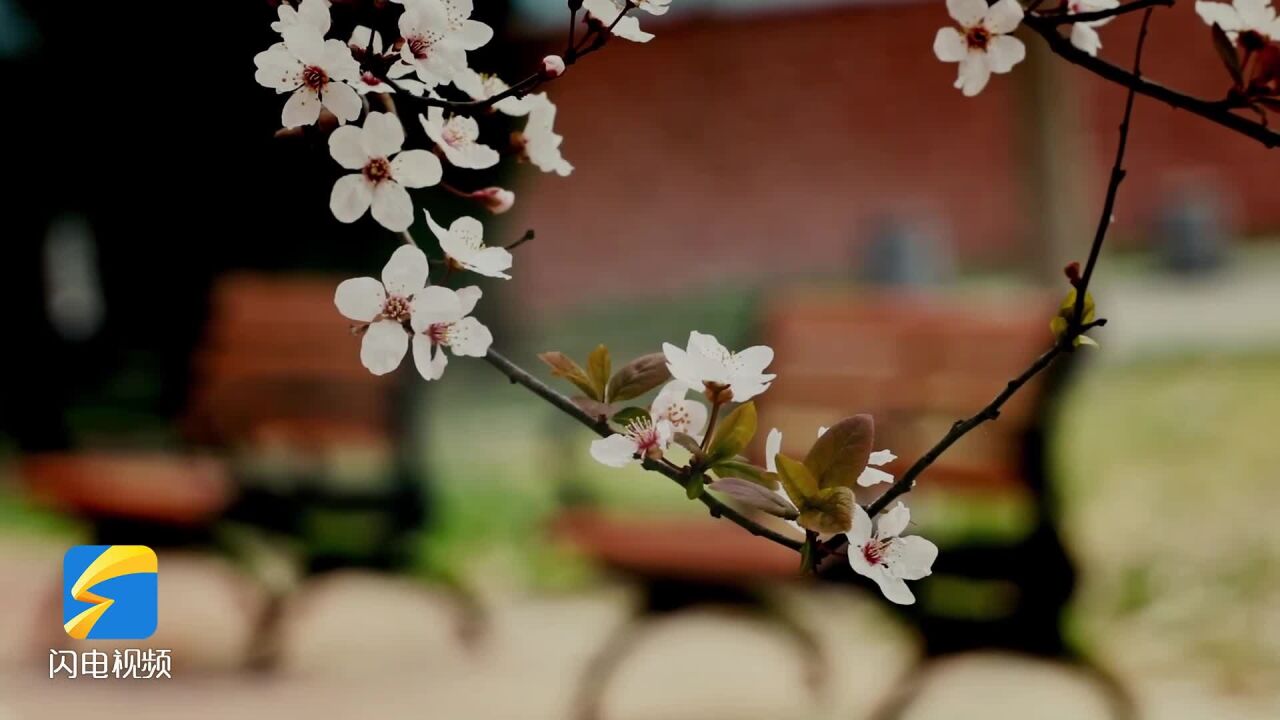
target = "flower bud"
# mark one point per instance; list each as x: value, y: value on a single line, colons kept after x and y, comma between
x: 552, y: 66
x: 496, y: 200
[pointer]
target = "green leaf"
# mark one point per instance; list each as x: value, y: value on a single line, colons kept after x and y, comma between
x: 1227, y: 52
x: 840, y: 455
x: 563, y: 366
x: 628, y: 415
x: 797, y: 481
x: 829, y: 512
x: 733, y: 433
x: 599, y: 369
x: 740, y: 468
x: 694, y: 488
x: 638, y: 377
x: 687, y: 442
x: 1062, y: 321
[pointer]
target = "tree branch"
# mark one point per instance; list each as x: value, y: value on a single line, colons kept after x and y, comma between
x: 1218, y: 112
x: 519, y: 376
x: 1094, y: 15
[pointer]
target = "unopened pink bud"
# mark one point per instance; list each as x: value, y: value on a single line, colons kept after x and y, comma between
x: 552, y: 66
x: 495, y: 199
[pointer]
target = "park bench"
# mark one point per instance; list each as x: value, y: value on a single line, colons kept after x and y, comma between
x: 917, y: 362
x: 292, y: 433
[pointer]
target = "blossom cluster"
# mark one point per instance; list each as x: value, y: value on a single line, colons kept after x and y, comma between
x: 983, y: 45
x: 814, y: 495
x: 331, y: 80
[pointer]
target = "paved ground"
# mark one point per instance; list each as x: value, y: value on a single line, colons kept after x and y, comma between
x: 360, y: 646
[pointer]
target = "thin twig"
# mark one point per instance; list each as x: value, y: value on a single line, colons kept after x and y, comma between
x: 1218, y: 112
x: 1113, y: 185
x: 1066, y: 343
x: 519, y: 376
x: 526, y: 237
x: 1094, y: 15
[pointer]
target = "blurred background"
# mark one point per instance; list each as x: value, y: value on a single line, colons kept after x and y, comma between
x: 793, y: 172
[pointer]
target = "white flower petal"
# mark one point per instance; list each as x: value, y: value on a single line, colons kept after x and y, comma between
x: 383, y: 135
x: 973, y: 73
x: 469, y: 337
x: 893, y: 521
x: 416, y: 168
x: 1005, y: 51
x: 873, y: 476
x: 360, y: 298
x: 915, y: 559
x: 428, y: 359
x: 435, y: 304
x: 406, y: 272
x: 1220, y: 14
x: 895, y: 590
x: 472, y: 35
x: 614, y: 451
x: 772, y: 446
x: 467, y: 299
x: 305, y: 43
x: 342, y: 100
x: 302, y: 108
x: 1003, y: 17
x: 383, y: 346
x: 881, y: 457
x: 1086, y: 38
x: 861, y: 530
x: 346, y: 148
x: 350, y: 197
x: 967, y: 13
x: 949, y: 45
x: 392, y: 207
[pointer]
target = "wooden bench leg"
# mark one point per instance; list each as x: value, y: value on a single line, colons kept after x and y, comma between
x: 593, y: 683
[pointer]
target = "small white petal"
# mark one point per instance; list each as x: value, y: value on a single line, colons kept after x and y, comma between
x: 469, y: 337
x: 467, y: 299
x: 428, y: 359
x: 916, y: 556
x: 614, y: 451
x: 967, y: 13
x: 1003, y: 17
x: 949, y: 45
x: 861, y: 530
x: 772, y: 446
x: 893, y: 521
x: 435, y: 304
x: 873, y: 476
x: 360, y: 298
x: 416, y: 168
x: 973, y: 73
x: 350, y: 197
x: 1005, y: 51
x: 895, y: 590
x: 346, y: 148
x: 383, y: 135
x: 383, y: 346
x: 302, y: 108
x: 406, y: 272
x: 392, y: 207
x: 342, y: 100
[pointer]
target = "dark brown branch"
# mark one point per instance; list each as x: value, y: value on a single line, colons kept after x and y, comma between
x: 1113, y: 185
x: 526, y: 237
x: 1218, y: 112
x: 519, y: 376
x: 1095, y: 15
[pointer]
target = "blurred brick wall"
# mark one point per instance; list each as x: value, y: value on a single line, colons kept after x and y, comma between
x: 770, y: 143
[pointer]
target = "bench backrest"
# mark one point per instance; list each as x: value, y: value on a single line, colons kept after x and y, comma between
x: 916, y: 362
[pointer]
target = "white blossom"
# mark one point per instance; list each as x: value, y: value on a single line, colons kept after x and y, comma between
x: 386, y: 306
x: 429, y: 48
x: 1083, y: 34
x: 871, y: 474
x: 441, y: 319
x: 878, y: 551
x: 643, y: 438
x: 984, y: 47
x: 684, y: 415
x: 314, y: 13
x: 539, y: 142
x: 705, y: 363
x: 384, y: 172
x: 627, y: 28
x: 1241, y: 16
x: 314, y: 71
x: 552, y: 66
x: 463, y: 244
x: 459, y: 138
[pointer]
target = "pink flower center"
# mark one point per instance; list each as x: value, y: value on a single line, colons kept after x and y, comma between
x: 454, y: 135
x: 370, y: 79
x: 419, y: 47
x: 438, y: 333
x: 978, y: 38
x: 378, y: 170
x: 396, y: 308
x: 873, y: 551
x: 314, y: 77
x: 646, y: 437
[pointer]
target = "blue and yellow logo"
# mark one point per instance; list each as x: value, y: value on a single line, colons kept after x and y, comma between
x: 109, y: 592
